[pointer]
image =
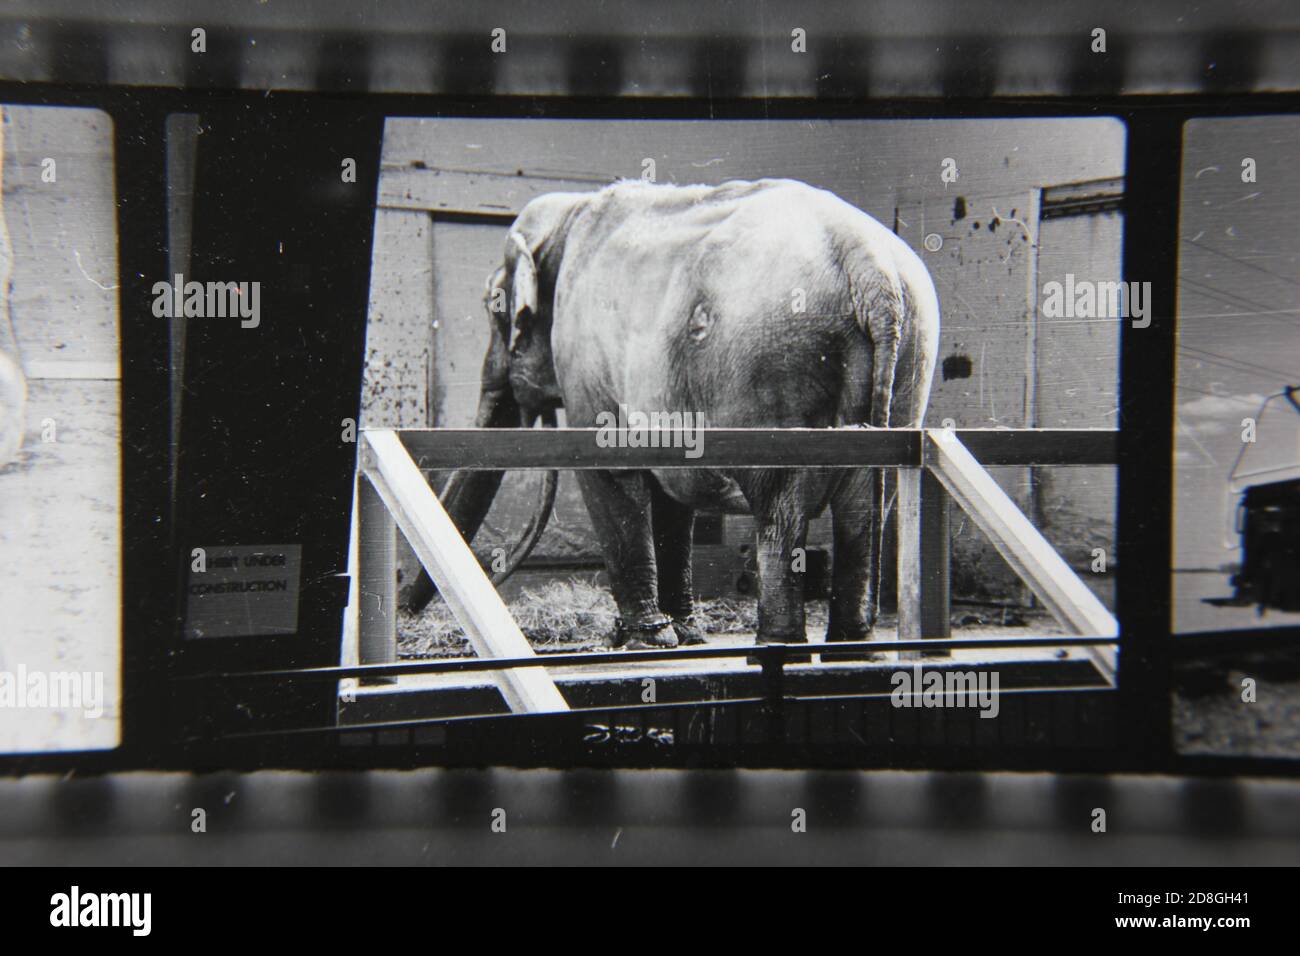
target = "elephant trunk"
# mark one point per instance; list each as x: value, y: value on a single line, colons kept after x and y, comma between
x: 468, y: 496
x: 537, y: 523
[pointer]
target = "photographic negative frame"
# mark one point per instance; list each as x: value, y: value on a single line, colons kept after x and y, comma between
x: 169, y: 713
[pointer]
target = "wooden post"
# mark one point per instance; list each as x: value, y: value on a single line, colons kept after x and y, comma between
x: 376, y: 577
x: 1030, y: 555
x: 350, y: 652
x: 488, y: 624
x: 924, y: 599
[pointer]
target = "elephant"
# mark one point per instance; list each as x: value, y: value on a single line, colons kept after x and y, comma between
x: 769, y: 304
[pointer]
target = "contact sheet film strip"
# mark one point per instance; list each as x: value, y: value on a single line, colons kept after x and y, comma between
x: 763, y: 50
x: 343, y: 189
x: 591, y: 817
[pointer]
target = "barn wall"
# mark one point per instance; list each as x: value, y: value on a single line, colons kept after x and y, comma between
x: 1078, y: 387
x: 398, y: 381
x: 493, y: 167
x: 981, y: 250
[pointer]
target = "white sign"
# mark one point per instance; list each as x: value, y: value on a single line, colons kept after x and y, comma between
x: 242, y: 590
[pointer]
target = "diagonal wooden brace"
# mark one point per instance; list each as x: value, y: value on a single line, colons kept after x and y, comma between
x: 491, y: 629
x: 1030, y: 555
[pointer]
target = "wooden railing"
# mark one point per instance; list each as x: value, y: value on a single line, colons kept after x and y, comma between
x: 935, y: 466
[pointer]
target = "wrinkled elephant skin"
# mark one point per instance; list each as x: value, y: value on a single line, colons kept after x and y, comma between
x: 754, y: 304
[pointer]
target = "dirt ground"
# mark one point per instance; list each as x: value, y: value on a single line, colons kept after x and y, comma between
x: 574, y: 615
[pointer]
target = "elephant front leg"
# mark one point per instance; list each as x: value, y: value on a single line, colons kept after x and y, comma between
x: 674, y: 524
x: 620, y: 509
x: 857, y: 517
x: 777, y: 501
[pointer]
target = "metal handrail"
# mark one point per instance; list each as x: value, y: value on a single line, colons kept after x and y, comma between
x: 604, y: 710
x: 777, y: 652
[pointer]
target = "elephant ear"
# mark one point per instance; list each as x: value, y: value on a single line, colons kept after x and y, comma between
x: 523, y: 284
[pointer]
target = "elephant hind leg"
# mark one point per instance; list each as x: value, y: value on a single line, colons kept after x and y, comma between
x: 620, y: 508
x: 777, y: 499
x: 674, y: 524
x: 857, y: 519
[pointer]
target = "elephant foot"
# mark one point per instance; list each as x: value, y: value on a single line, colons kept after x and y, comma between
x: 688, y: 631
x: 648, y: 636
x: 839, y: 636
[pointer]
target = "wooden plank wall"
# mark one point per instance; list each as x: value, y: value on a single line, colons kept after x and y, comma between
x: 399, y: 334
x: 1078, y: 387
x: 427, y: 332
x: 982, y: 263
